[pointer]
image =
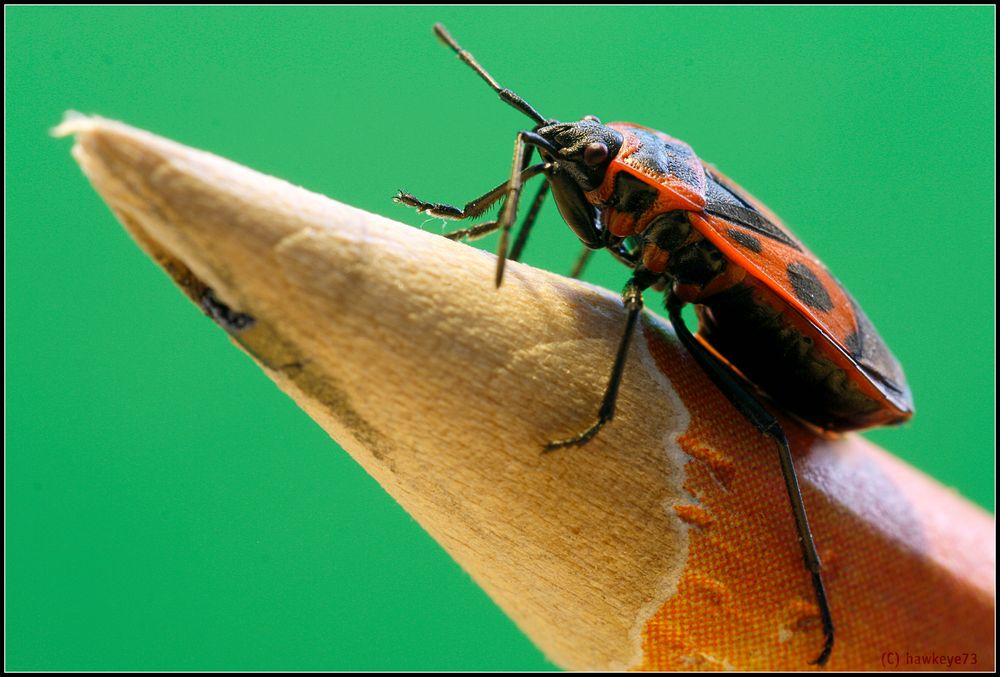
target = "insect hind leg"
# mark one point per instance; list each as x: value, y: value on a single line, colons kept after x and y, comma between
x: 764, y: 421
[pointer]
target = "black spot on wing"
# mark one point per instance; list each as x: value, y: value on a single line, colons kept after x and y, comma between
x: 808, y: 288
x: 745, y: 239
x: 725, y: 201
x: 753, y: 220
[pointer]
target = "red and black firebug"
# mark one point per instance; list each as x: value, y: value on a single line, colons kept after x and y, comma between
x: 772, y: 320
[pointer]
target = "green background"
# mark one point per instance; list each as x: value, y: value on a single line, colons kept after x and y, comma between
x: 168, y: 508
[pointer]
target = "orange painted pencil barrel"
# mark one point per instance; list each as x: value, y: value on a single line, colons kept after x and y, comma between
x: 908, y: 564
x: 665, y: 543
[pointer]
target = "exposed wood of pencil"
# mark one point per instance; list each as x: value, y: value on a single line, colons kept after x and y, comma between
x: 665, y: 543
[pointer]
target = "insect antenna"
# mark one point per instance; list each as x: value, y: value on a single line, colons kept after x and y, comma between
x: 505, y: 94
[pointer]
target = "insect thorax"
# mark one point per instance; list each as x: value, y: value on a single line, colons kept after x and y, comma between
x: 668, y: 241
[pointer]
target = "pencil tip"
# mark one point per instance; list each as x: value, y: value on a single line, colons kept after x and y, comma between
x: 72, y: 123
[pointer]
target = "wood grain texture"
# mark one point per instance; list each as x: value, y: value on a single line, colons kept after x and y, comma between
x: 627, y: 553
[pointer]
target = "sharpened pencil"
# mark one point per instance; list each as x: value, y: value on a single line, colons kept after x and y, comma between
x: 665, y: 543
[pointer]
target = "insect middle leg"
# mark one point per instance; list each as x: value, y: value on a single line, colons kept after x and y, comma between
x: 524, y: 145
x: 632, y: 298
x: 764, y: 421
x: 581, y: 263
x: 630, y: 257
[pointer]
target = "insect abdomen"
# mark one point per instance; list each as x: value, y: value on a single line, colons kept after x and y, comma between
x: 791, y: 360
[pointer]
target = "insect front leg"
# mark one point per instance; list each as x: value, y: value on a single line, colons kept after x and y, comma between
x: 473, y: 208
x: 477, y: 231
x: 764, y: 421
x: 632, y: 298
x: 488, y: 227
x: 522, y: 156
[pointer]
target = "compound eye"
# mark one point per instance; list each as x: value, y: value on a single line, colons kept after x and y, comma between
x: 595, y: 153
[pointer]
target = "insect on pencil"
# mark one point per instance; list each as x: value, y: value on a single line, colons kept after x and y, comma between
x: 773, y: 323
